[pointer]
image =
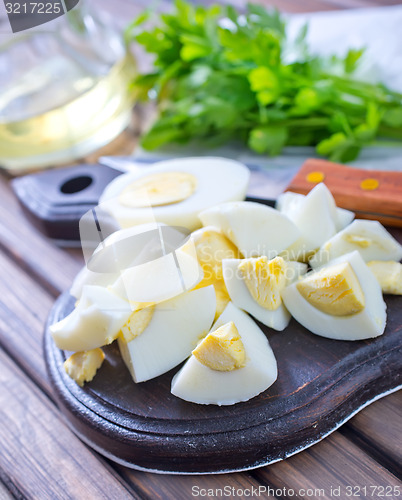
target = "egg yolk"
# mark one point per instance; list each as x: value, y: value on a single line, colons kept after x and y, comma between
x: 388, y: 274
x: 222, y: 297
x: 211, y: 248
x: 334, y: 290
x: 358, y: 240
x: 159, y: 189
x: 82, y: 366
x: 222, y: 350
x: 137, y: 323
x: 264, y: 280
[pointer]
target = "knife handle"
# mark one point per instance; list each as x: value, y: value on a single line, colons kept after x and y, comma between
x: 54, y: 201
x: 371, y: 194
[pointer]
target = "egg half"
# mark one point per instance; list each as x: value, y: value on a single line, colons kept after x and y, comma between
x: 243, y: 364
x: 174, y: 191
x: 342, y: 300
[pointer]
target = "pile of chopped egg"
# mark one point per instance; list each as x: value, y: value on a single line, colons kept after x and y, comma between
x: 197, y: 302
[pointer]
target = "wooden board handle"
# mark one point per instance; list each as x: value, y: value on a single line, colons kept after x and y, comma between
x: 371, y: 194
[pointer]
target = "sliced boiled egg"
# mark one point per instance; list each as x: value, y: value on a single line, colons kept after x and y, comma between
x: 233, y: 363
x: 159, y: 279
x: 222, y: 297
x: 146, y: 263
x: 368, y: 237
x: 289, y: 203
x: 174, y: 191
x: 314, y: 217
x: 153, y: 342
x: 212, y: 247
x: 388, y: 274
x: 88, y: 277
x: 342, y: 300
x: 255, y: 285
x: 82, y: 366
x: 95, y: 322
x: 124, y: 248
x: 254, y: 228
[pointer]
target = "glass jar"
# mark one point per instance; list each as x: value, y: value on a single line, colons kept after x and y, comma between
x: 64, y: 89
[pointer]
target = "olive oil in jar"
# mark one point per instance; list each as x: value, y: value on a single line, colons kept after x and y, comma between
x: 91, y: 119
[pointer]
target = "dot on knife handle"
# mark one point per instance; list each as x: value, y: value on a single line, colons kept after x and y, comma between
x: 315, y: 177
x: 369, y: 184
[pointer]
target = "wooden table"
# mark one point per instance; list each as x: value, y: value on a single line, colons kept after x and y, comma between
x: 41, y: 458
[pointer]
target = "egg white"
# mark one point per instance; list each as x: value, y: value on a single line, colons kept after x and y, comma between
x: 175, y: 327
x: 314, y: 217
x: 289, y: 203
x: 95, y: 321
x: 254, y: 228
x: 160, y: 279
x: 122, y: 249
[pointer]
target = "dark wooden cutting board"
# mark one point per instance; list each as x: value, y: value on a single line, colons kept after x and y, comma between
x: 321, y: 384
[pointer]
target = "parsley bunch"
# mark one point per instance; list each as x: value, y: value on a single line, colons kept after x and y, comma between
x: 222, y: 75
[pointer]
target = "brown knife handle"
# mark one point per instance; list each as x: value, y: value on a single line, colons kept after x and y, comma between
x: 371, y: 194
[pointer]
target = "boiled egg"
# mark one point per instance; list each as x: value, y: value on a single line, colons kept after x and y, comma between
x: 82, y: 366
x: 124, y: 248
x: 155, y: 341
x: 314, y: 217
x: 388, y: 274
x: 212, y: 247
x: 222, y: 297
x: 233, y: 363
x: 368, y: 237
x: 289, y: 203
x: 142, y: 264
x: 255, y: 285
x: 160, y: 279
x: 174, y: 191
x: 255, y: 229
x: 95, y: 322
x: 87, y: 277
x: 342, y: 300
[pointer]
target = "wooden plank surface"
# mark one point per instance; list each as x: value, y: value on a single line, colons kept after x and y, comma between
x: 41, y: 458
x: 176, y: 487
x: 20, y: 240
x: 27, y: 347
x: 39, y: 454
x: 383, y: 420
x: 336, y: 462
x: 4, y: 492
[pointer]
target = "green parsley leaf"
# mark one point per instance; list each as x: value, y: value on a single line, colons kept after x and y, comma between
x: 222, y: 75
